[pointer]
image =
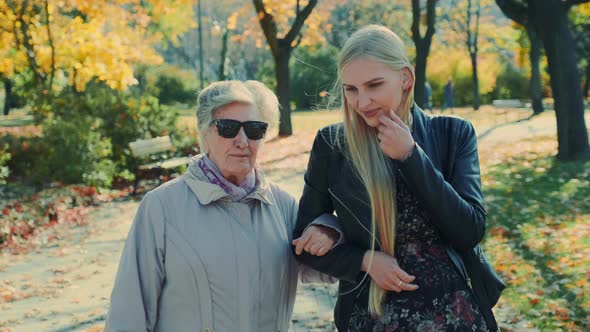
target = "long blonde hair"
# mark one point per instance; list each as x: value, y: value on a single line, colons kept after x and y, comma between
x: 380, y: 44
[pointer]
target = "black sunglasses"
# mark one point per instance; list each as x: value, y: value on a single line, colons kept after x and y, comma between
x: 229, y: 128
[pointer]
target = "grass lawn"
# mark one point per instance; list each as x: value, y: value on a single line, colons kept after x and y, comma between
x: 539, y: 233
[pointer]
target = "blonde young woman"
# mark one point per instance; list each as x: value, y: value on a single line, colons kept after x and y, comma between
x: 406, y: 189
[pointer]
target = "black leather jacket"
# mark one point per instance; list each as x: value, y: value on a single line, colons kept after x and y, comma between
x: 443, y: 171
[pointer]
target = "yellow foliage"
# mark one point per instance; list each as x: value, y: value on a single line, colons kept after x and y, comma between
x: 283, y: 12
x: 112, y: 37
x: 444, y: 62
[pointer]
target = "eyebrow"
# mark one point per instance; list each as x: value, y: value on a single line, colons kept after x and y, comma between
x: 367, y: 82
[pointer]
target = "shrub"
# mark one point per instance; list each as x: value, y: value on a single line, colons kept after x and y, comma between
x: 4, y: 158
x: 76, y: 152
x: 25, y: 155
x: 170, y: 84
x: 313, y: 73
x: 172, y: 90
x: 511, y: 83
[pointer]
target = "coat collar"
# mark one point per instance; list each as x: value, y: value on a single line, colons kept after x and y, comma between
x: 421, y: 125
x: 207, y: 192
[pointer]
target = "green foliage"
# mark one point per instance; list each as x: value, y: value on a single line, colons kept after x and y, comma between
x: 537, y: 233
x: 511, y: 83
x: 266, y: 74
x: 4, y: 158
x: 463, y: 88
x: 120, y: 117
x: 313, y: 72
x: 86, y: 135
x: 172, y: 90
x: 76, y: 152
x: 24, y: 153
x: 168, y: 83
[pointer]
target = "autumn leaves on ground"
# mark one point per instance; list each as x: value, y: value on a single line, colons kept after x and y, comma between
x: 538, y: 220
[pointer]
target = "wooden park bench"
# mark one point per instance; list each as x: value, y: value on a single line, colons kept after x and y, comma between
x: 505, y: 103
x: 154, y: 150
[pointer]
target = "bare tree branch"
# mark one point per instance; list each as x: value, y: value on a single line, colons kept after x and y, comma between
x: 50, y: 40
x: 299, y: 21
x: 29, y: 47
x: 268, y: 25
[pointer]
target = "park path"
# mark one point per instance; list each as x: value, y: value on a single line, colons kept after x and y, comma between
x: 65, y: 285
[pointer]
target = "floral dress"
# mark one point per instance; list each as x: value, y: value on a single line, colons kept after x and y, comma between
x: 443, y: 302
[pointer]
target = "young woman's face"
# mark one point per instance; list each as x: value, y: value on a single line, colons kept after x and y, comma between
x: 372, y: 88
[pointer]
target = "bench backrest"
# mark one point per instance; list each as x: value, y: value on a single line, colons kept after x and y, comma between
x: 507, y: 103
x: 144, y: 147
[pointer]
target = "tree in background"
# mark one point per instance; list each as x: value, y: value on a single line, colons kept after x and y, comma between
x: 348, y: 16
x: 580, y: 25
x: 550, y: 22
x: 282, y: 47
x: 83, y: 40
x: 464, y: 19
x: 422, y: 42
x: 472, y: 27
x: 535, y: 51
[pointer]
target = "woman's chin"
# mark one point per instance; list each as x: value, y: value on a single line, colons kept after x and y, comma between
x: 372, y: 122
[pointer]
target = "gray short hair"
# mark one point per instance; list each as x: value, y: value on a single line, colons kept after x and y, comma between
x: 219, y: 94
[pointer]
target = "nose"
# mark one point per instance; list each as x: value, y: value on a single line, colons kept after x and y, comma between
x: 241, y: 140
x: 364, y: 100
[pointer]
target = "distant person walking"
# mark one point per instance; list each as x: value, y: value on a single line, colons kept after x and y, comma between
x: 427, y: 96
x: 449, y: 101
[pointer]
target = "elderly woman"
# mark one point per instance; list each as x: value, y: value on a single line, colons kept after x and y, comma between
x: 210, y: 250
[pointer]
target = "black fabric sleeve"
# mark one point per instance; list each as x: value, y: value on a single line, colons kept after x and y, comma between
x: 457, y: 205
x: 343, y: 261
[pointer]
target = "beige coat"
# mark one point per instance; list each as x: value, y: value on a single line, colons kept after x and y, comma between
x: 195, y: 260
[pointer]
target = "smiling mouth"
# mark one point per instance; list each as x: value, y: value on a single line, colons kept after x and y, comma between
x: 371, y: 113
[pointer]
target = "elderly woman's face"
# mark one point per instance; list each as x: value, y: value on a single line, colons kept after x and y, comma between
x: 235, y: 156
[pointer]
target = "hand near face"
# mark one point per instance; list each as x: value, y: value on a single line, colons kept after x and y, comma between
x: 386, y: 272
x: 395, y: 138
x: 316, y: 240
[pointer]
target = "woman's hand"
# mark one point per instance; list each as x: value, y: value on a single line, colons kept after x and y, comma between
x: 395, y: 138
x: 316, y: 240
x: 385, y: 271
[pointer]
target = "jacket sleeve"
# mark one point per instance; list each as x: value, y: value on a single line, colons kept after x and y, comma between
x: 456, y: 203
x: 330, y: 221
x: 139, y: 280
x: 343, y: 261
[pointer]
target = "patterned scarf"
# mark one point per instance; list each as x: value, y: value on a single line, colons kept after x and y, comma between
x: 214, y: 175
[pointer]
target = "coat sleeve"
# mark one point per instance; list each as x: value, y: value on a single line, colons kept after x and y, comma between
x: 342, y: 261
x: 139, y: 280
x: 456, y: 203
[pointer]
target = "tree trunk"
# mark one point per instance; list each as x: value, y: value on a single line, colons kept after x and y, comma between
x: 221, y: 70
x: 422, y: 44
x: 282, y: 76
x: 534, y: 57
x: 8, y: 102
x: 550, y: 20
x: 200, y: 32
x: 587, y: 83
x: 420, y: 72
x: 475, y: 78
